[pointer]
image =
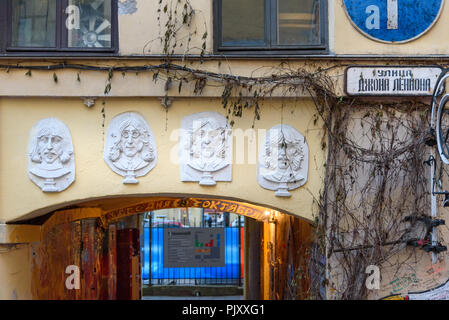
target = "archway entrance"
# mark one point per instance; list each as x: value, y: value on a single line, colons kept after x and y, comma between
x: 106, y: 239
x: 192, y: 252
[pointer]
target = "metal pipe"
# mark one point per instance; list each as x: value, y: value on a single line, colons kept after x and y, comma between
x: 227, y: 56
x: 441, y: 80
x: 433, y: 204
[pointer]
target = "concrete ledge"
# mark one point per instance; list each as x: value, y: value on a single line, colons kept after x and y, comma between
x: 11, y: 234
x: 192, y: 291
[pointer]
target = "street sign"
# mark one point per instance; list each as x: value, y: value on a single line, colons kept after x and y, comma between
x: 393, y: 21
x: 391, y: 80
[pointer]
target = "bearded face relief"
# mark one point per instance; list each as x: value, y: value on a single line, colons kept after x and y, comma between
x: 206, y: 149
x: 51, y: 164
x: 130, y: 149
x: 283, y: 162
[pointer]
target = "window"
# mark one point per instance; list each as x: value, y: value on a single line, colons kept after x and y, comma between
x: 58, y: 26
x: 270, y: 26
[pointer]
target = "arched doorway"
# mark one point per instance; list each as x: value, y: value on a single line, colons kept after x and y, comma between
x: 103, y: 238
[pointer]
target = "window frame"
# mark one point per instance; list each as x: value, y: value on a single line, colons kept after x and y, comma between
x: 60, y: 48
x: 271, y: 34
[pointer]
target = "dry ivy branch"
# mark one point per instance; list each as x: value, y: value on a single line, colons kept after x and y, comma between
x: 174, y: 17
x: 239, y: 92
x: 375, y: 178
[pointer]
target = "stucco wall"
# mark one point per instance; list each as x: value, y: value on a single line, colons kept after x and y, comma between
x: 15, y: 272
x: 343, y: 37
x: 139, y: 32
x: 19, y: 196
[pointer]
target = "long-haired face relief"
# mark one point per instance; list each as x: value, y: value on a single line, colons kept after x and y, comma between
x: 208, y: 139
x: 285, y: 151
x: 131, y: 140
x: 49, y: 145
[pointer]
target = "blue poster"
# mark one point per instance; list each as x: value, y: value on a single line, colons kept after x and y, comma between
x: 393, y: 20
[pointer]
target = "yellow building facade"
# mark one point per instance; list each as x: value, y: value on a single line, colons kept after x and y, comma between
x: 85, y: 91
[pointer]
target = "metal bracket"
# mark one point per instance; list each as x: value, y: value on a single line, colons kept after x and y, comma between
x: 426, y: 242
x: 430, y: 138
x: 436, y: 248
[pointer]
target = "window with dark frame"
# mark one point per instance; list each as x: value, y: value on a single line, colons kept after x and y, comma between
x: 58, y: 26
x: 270, y: 26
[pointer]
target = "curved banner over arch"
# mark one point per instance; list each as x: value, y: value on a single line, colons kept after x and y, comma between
x: 110, y: 216
x: 245, y: 209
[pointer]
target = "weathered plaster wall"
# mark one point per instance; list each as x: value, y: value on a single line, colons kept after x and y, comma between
x: 15, y: 272
x: 416, y: 274
x: 344, y: 38
x: 409, y: 269
x: 133, y: 42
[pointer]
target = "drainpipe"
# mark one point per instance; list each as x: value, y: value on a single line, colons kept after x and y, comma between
x: 433, y: 204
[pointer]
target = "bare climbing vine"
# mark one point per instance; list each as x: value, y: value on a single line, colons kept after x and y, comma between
x: 176, y: 28
x: 376, y: 185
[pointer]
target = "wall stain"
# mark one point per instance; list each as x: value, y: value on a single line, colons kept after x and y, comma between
x: 127, y: 7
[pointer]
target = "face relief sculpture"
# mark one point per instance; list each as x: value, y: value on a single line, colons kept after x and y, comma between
x: 130, y: 150
x: 51, y: 163
x: 283, y: 164
x: 206, y: 148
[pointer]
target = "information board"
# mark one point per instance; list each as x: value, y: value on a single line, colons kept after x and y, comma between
x: 194, y: 247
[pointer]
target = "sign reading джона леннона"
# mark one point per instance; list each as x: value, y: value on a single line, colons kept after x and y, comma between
x: 391, y: 81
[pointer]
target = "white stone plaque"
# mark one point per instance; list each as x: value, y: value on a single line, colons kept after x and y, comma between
x: 130, y: 148
x: 51, y: 162
x: 391, y: 81
x: 283, y: 160
x: 205, y: 148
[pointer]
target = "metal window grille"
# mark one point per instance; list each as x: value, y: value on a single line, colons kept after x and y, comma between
x: 154, y: 272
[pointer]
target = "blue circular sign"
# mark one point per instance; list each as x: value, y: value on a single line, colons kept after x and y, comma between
x: 393, y: 20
